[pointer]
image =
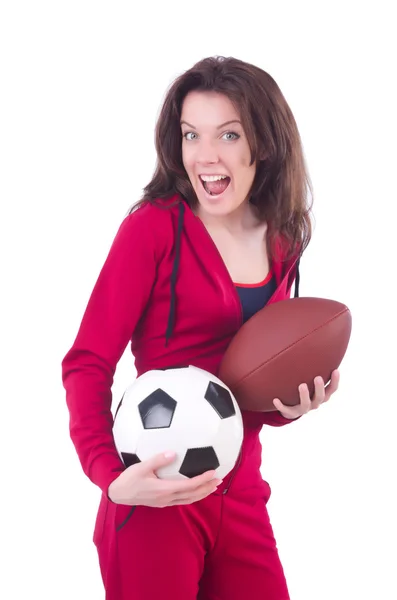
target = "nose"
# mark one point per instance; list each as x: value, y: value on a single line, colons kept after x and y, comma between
x: 207, y: 152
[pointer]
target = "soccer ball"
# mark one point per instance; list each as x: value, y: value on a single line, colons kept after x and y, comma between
x: 186, y: 410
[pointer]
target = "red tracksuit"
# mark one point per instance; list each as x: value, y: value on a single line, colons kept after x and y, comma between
x: 165, y: 289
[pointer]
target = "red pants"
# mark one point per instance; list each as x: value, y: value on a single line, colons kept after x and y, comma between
x: 221, y: 548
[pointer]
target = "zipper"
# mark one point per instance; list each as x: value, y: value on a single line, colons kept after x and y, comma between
x: 240, y: 320
x: 225, y: 491
x: 237, y: 297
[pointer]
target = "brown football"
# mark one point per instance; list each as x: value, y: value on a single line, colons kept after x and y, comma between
x: 283, y: 345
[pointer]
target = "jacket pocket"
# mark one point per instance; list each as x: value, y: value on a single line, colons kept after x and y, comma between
x: 100, y: 520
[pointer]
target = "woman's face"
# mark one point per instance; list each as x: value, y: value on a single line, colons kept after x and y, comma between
x: 214, y: 143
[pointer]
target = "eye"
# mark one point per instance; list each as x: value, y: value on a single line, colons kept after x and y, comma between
x: 188, y: 133
x: 236, y: 135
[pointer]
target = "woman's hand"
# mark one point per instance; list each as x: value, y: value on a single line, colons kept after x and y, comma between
x: 322, y: 394
x: 139, y: 485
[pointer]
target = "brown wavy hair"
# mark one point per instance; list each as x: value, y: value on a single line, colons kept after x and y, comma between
x: 281, y: 190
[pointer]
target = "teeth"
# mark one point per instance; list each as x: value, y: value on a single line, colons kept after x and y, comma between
x: 212, y: 177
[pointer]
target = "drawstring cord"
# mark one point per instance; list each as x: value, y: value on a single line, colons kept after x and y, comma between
x: 171, y: 316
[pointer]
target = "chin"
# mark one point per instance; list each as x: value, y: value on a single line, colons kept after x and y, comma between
x: 220, y: 207
x: 216, y: 208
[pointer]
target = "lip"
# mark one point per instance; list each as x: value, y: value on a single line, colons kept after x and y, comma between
x: 210, y: 197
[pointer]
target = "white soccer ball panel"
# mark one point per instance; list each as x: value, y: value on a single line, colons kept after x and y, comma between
x: 156, y: 441
x: 127, y: 428
x: 229, y: 439
x: 224, y: 469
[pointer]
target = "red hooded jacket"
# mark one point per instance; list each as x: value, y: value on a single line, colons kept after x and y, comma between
x: 165, y: 290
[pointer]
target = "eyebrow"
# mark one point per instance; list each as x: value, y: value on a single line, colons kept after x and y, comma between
x: 219, y: 126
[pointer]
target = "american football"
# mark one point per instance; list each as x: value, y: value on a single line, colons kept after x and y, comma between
x: 283, y: 345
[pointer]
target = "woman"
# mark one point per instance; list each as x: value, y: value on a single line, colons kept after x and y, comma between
x: 218, y: 234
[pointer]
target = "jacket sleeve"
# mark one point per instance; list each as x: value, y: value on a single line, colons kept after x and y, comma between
x: 114, y: 308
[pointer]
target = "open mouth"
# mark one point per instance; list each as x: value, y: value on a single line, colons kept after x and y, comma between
x: 215, y: 187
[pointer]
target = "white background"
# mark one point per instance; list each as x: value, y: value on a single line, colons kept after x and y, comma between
x: 81, y: 86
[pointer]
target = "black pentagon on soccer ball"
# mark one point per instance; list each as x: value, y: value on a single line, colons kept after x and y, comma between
x: 220, y: 400
x: 157, y: 410
x: 129, y: 459
x: 198, y: 461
